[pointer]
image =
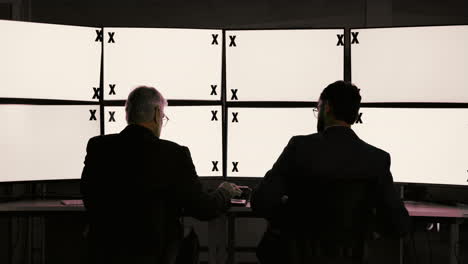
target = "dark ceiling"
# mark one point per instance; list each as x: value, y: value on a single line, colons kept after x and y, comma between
x: 249, y: 13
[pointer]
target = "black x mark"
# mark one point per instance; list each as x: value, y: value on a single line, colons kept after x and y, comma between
x: 214, y: 118
x: 234, y: 117
x: 233, y: 41
x: 93, y: 115
x: 213, y: 90
x: 96, y: 93
x: 99, y: 35
x: 234, y: 94
x: 215, y: 39
x: 340, y: 39
x: 111, y: 118
x: 215, y: 166
x: 355, y: 39
x: 235, y: 164
x: 111, y: 37
x: 112, y: 89
x: 359, y: 119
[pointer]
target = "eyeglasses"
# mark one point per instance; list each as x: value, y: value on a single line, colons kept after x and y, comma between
x: 316, y: 109
x: 165, y: 119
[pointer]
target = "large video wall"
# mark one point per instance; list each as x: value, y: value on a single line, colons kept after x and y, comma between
x: 235, y: 97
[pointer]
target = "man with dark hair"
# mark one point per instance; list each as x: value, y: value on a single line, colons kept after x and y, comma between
x: 345, y: 101
x: 136, y: 187
x: 327, y: 190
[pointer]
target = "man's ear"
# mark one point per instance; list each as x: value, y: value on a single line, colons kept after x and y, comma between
x: 329, y: 110
x: 328, y: 107
x: 157, y: 113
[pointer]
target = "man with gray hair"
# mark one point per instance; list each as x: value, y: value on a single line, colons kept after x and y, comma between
x: 136, y: 187
x: 143, y: 105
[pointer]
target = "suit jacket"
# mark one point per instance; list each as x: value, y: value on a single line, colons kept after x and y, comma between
x: 336, y: 185
x: 136, y: 187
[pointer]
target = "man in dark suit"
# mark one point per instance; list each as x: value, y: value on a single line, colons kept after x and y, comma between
x: 137, y: 186
x: 327, y: 190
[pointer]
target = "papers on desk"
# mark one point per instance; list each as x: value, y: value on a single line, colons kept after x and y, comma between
x: 238, y: 202
x: 72, y: 202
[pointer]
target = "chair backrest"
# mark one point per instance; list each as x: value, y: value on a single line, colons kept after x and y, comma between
x: 331, y: 210
x: 329, y: 224
x: 304, y: 250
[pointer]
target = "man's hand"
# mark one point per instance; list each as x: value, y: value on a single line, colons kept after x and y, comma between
x: 233, y: 189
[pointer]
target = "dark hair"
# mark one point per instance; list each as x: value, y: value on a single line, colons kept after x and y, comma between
x: 344, y: 99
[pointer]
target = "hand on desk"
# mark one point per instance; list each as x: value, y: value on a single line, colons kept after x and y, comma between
x: 233, y: 189
x: 284, y: 199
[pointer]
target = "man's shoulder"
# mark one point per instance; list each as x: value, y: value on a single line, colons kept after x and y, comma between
x: 317, y: 139
x: 309, y: 138
x: 378, y: 152
x: 116, y: 143
x: 171, y: 145
x: 314, y: 136
x: 103, y: 139
x: 117, y: 138
x: 374, y: 148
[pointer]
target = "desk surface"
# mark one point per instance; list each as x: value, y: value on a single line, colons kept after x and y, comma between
x: 418, y: 209
x: 436, y: 210
x: 39, y: 206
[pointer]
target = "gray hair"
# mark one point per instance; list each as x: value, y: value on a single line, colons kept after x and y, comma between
x: 141, y: 103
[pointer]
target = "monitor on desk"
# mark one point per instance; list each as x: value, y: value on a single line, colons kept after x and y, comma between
x: 411, y: 64
x: 45, y: 142
x: 427, y: 145
x: 46, y: 61
x: 183, y: 64
x: 282, y: 65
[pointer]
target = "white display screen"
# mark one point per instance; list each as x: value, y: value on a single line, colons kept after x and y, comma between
x: 183, y: 64
x: 257, y: 136
x: 282, y: 65
x: 45, y: 61
x: 196, y: 127
x: 40, y: 142
x: 411, y: 64
x: 426, y: 145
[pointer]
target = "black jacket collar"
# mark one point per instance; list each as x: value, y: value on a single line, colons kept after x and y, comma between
x: 340, y: 132
x: 134, y: 130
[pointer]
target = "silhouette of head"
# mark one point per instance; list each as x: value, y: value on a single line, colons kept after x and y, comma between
x: 338, y: 104
x: 145, y: 106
